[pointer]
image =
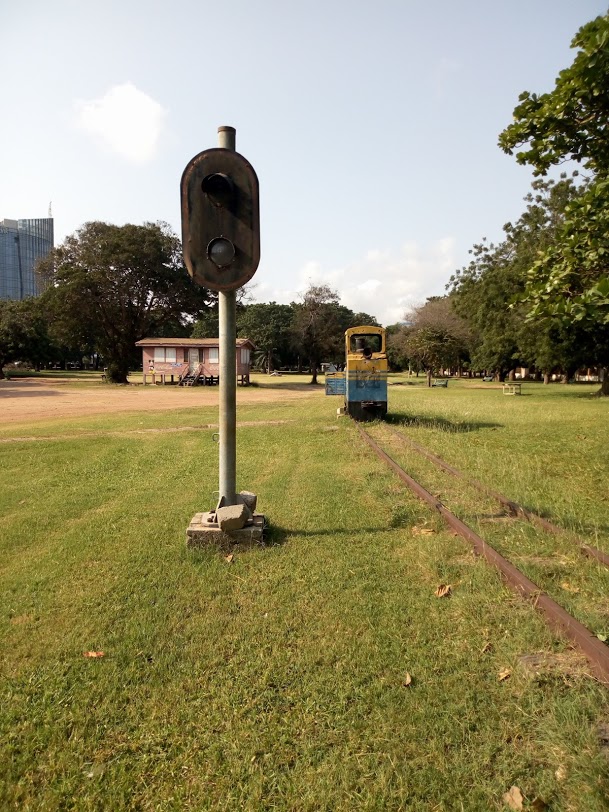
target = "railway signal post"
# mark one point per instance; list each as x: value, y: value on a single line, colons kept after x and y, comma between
x: 221, y: 245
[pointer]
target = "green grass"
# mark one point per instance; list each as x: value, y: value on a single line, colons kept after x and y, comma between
x: 277, y: 681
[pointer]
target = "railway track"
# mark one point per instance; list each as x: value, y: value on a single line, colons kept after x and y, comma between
x: 514, y: 507
x: 558, y: 618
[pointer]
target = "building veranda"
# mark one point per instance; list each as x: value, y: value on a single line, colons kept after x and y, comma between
x: 191, y: 361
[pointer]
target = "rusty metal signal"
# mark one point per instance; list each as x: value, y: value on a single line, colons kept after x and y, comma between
x: 220, y: 219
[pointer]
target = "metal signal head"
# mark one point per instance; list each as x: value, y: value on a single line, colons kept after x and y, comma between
x: 220, y: 219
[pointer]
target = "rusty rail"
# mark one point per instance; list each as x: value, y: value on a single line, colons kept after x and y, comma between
x: 514, y: 507
x: 556, y: 617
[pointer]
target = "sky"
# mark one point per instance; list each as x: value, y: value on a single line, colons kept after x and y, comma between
x: 372, y: 124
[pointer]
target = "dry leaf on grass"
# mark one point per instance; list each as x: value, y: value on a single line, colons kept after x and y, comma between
x: 569, y: 587
x: 407, y: 680
x: 514, y: 798
x: 94, y: 654
x: 230, y: 558
x: 505, y: 674
x: 561, y: 773
x: 422, y: 531
x: 443, y: 591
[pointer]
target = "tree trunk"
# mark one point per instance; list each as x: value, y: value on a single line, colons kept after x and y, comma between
x: 269, y: 363
x: 117, y: 372
x: 603, y: 392
x: 546, y: 377
x: 512, y: 375
x: 429, y: 377
x: 313, y: 380
x: 2, y: 375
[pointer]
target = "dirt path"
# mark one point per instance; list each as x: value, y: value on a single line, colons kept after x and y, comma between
x: 29, y: 400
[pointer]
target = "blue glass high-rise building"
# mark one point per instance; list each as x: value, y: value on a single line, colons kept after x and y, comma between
x: 22, y: 244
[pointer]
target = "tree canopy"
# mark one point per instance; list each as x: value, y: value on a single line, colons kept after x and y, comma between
x: 23, y: 333
x: 568, y: 282
x: 269, y: 326
x: 113, y: 285
x: 488, y: 291
x: 434, y: 336
x: 571, y: 122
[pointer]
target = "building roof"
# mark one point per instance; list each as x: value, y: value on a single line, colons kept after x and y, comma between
x: 189, y: 342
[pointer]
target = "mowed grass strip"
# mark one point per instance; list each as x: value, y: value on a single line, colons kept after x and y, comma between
x: 555, y: 562
x: 546, y: 448
x: 277, y: 681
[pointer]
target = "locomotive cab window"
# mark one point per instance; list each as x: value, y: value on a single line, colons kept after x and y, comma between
x: 366, y: 344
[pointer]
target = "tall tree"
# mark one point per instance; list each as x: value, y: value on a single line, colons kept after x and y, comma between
x: 119, y: 283
x: 207, y: 325
x: 434, y: 336
x: 269, y: 327
x: 488, y: 289
x: 23, y: 333
x: 318, y: 326
x: 569, y: 281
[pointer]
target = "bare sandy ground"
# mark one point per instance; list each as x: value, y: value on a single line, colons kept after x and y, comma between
x: 30, y: 400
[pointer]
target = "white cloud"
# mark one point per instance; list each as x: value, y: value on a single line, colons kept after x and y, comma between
x: 383, y: 284
x: 125, y: 119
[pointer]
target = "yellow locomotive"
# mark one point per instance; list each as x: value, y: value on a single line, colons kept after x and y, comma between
x: 364, y: 380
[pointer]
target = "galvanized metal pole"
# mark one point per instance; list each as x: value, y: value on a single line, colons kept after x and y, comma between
x: 227, y: 309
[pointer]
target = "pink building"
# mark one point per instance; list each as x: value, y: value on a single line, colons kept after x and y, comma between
x: 191, y: 361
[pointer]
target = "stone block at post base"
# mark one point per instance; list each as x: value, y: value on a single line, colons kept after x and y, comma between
x: 232, y: 517
x: 202, y: 532
x: 248, y: 498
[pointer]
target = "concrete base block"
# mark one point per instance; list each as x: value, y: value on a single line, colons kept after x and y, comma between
x: 202, y: 533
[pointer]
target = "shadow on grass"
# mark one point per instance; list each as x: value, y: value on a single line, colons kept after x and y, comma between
x: 439, y: 423
x: 275, y: 535
x: 7, y: 390
x: 290, y: 387
x: 585, y: 531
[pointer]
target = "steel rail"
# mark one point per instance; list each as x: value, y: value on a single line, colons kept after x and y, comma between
x: 556, y: 617
x: 514, y: 507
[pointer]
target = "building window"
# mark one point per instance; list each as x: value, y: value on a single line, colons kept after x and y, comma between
x: 245, y: 355
x: 162, y: 354
x: 213, y: 355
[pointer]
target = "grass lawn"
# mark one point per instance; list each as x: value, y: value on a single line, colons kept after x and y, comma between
x: 320, y: 673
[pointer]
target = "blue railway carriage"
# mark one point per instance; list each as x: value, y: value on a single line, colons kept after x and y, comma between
x: 364, y: 381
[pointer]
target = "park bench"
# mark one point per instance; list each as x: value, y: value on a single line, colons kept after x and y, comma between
x: 512, y: 388
x: 442, y: 383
